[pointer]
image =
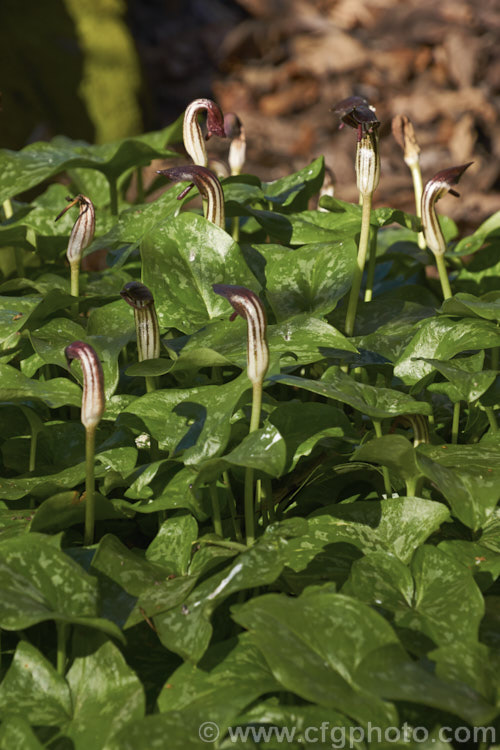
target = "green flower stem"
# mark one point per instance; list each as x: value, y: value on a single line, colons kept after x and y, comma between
x: 232, y: 507
x: 260, y: 503
x: 36, y: 426
x: 249, y: 485
x: 495, y: 358
x: 377, y: 426
x: 372, y: 263
x: 7, y: 209
x: 151, y: 383
x: 88, y: 537
x: 236, y: 229
x: 418, y: 189
x: 75, y: 280
x: 226, y: 544
x: 443, y: 276
x: 352, y: 305
x: 216, y: 375
x: 214, y: 496
x: 455, y: 422
x: 32, y: 459
x: 411, y: 487
x: 62, y: 637
x: 249, y: 507
x: 113, y: 196
x: 490, y: 413
x: 266, y: 500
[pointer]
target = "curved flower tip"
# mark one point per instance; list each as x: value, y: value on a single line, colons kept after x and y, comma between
x: 191, y: 131
x: 83, y: 230
x: 249, y: 306
x: 356, y: 112
x: 439, y: 185
x: 93, y: 381
x: 207, y: 184
x: 137, y: 295
x: 444, y: 180
x: 140, y: 298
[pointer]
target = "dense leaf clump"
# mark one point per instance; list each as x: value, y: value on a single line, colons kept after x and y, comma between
x: 369, y: 597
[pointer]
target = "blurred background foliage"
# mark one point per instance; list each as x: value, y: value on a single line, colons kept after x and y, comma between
x: 68, y: 67
x: 100, y: 70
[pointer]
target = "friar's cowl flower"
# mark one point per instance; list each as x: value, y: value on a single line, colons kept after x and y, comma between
x: 442, y: 183
x: 404, y: 134
x: 367, y: 163
x: 140, y: 298
x: 191, y: 131
x: 208, y: 185
x: 93, y: 402
x: 356, y: 112
x: 237, y: 150
x: 83, y: 230
x: 248, y: 305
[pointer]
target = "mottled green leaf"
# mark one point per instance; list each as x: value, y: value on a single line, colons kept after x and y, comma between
x: 33, y: 689
x: 105, y: 693
x: 24, y: 169
x: 468, y: 477
x: 377, y: 403
x: 14, y: 312
x: 263, y: 450
x: 135, y: 222
x: 397, y: 525
x: 229, y: 677
x: 301, y: 339
x: 394, y: 451
x: 448, y: 605
x: 39, y: 582
x: 483, y: 562
x: 61, y: 511
x: 386, y: 326
x: 391, y: 674
x: 14, y: 386
x: 312, y: 278
x: 470, y: 663
x: 127, y: 568
x: 313, y: 645
x: 467, y: 381
x: 293, y: 191
x: 14, y: 522
x: 150, y: 368
x: 304, y: 425
x: 469, y: 306
x: 443, y: 338
x: 191, y: 421
x: 488, y: 230
x: 307, y: 226
x: 182, y: 728
x: 182, y: 258
x: 187, y: 629
x: 172, y: 547
x: 16, y: 732
x: 109, y: 329
x: 379, y: 578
